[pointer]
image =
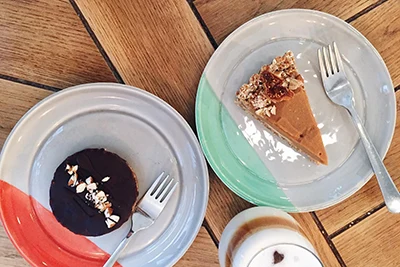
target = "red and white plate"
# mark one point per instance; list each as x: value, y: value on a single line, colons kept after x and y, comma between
x: 136, y: 125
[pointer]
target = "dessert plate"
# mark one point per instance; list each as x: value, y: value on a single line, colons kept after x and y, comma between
x: 261, y: 167
x: 132, y: 123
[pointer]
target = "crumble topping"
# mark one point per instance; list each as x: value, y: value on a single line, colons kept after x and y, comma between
x: 274, y: 83
x: 92, y: 194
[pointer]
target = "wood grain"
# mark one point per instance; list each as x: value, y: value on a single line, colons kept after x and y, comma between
x: 222, y: 16
x: 381, y: 26
x: 373, y: 242
x: 45, y: 42
x: 224, y: 205
x: 9, y: 256
x: 203, y: 252
x: 15, y: 100
x: 370, y: 195
x: 156, y: 45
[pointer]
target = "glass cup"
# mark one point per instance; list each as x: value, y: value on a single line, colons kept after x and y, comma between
x: 264, y: 236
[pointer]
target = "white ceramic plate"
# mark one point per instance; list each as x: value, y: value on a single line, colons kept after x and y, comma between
x: 258, y: 165
x: 136, y: 125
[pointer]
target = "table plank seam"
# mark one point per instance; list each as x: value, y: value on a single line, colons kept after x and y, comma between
x: 328, y: 239
x: 356, y: 221
x: 365, y: 11
x: 97, y: 42
x: 30, y: 83
x: 397, y: 88
x: 211, y: 233
x: 203, y: 24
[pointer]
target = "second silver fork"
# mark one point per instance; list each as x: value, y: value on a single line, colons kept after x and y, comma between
x: 147, y: 211
x: 340, y: 91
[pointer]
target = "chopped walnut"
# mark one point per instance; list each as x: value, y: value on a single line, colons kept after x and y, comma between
x: 274, y: 83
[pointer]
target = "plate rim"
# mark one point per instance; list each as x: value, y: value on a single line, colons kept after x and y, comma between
x: 204, y: 197
x: 198, y: 115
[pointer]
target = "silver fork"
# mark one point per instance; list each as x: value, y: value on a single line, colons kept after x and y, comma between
x: 339, y: 90
x: 147, y: 211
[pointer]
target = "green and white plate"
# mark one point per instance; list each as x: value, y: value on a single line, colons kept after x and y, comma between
x: 259, y: 166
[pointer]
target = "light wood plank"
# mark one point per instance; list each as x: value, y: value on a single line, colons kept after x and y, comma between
x: 224, y: 16
x: 15, y: 100
x: 46, y: 42
x: 372, y: 242
x: 224, y: 205
x: 156, y: 45
x: 369, y: 196
x: 9, y: 256
x: 202, y: 253
x: 381, y: 26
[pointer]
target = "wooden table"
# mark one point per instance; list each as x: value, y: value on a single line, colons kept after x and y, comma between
x: 162, y: 47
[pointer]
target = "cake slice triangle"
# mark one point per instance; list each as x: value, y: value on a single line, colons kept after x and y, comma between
x: 276, y: 97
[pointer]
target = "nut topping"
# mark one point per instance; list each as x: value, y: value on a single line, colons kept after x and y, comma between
x: 68, y: 168
x: 110, y: 223
x: 73, y: 180
x: 81, y: 187
x: 89, y: 180
x: 91, y: 187
x: 276, y: 82
x: 115, y: 218
x: 108, y: 212
x: 97, y: 197
x: 105, y: 179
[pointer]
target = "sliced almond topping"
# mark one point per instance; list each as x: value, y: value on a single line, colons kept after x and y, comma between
x: 101, y: 207
x: 105, y: 179
x: 74, y: 168
x: 89, y: 180
x: 81, y: 187
x: 72, y: 180
x: 108, y: 212
x: 115, y: 218
x: 67, y: 167
x: 110, y: 223
x: 91, y: 187
x: 100, y: 195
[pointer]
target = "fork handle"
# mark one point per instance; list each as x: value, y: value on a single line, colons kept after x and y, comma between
x: 117, y: 252
x: 389, y: 191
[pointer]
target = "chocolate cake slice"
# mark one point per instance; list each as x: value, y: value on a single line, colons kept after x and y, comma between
x: 93, y: 192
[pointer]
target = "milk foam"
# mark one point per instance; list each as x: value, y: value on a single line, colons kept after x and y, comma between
x: 286, y: 255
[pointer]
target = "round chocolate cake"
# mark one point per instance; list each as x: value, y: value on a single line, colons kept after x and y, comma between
x: 93, y: 192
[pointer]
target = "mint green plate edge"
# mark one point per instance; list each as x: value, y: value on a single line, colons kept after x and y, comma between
x: 212, y: 140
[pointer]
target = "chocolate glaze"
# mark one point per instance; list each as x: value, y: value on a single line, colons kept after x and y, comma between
x: 79, y: 215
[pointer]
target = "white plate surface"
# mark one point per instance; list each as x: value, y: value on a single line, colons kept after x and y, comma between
x: 140, y: 128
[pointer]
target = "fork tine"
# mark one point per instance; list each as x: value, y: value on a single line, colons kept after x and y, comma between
x: 333, y: 60
x: 168, y: 196
x: 321, y: 64
x: 166, y: 190
x: 327, y: 61
x: 338, y: 57
x: 155, y: 183
x: 160, y: 188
